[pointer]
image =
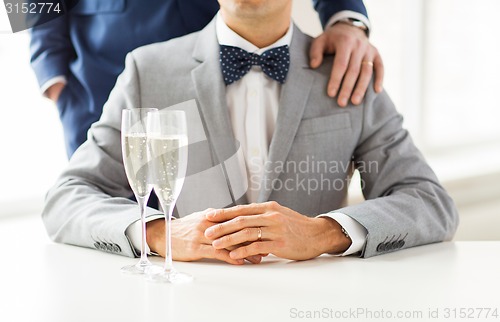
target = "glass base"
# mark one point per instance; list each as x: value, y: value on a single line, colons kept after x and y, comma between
x: 159, y: 275
x: 137, y: 269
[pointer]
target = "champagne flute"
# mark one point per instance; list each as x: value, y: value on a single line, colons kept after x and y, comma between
x: 168, y: 143
x: 135, y: 158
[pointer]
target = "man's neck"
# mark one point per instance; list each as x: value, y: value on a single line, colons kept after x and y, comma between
x: 263, y: 32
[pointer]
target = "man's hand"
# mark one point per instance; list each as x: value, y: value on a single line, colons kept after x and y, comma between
x: 284, y: 232
x: 54, y: 91
x: 188, y: 240
x: 353, y: 65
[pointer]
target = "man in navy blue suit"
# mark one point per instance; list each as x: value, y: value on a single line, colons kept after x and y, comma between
x: 78, y: 56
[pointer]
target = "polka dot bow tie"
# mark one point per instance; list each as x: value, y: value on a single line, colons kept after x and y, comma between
x: 236, y: 62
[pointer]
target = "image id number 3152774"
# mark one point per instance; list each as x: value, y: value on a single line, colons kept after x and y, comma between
x: 471, y: 313
x: 32, y: 7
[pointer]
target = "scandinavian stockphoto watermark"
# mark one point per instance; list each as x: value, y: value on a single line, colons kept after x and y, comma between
x: 370, y: 314
x: 309, y: 175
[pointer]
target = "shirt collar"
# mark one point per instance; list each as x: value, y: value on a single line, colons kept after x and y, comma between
x: 226, y: 36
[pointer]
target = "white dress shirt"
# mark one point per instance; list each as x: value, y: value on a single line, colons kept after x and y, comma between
x: 341, y: 15
x: 253, y: 103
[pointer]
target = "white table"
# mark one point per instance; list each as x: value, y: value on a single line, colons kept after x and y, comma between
x: 43, y: 281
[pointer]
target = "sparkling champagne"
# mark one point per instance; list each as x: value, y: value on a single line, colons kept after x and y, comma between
x: 135, y: 158
x: 168, y: 165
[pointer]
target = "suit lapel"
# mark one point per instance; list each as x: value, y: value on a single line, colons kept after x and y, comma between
x: 294, y: 95
x: 212, y: 104
x: 210, y: 88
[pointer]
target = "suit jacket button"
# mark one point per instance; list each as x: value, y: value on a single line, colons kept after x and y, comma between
x: 118, y: 248
x: 381, y: 247
x: 400, y: 244
x: 97, y: 245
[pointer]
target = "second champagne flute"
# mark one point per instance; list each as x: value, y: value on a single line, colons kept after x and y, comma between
x: 168, y: 141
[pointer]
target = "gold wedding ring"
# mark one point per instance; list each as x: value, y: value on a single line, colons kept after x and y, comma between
x: 259, y: 234
x: 369, y: 63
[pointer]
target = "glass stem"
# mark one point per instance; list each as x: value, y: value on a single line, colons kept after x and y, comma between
x: 142, y: 206
x: 168, y: 237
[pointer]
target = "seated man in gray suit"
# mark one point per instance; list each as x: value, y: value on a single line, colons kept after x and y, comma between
x: 296, y: 144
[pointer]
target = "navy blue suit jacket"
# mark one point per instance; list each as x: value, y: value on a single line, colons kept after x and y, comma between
x: 88, y: 46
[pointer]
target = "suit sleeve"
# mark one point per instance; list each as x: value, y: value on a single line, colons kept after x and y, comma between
x: 327, y: 8
x: 405, y: 203
x: 78, y: 209
x: 51, y: 49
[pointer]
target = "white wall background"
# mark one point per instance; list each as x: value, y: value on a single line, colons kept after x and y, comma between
x: 31, y: 143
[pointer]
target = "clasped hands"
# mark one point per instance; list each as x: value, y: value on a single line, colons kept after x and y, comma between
x: 232, y: 234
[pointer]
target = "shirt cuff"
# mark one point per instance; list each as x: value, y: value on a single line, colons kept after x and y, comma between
x: 134, y: 233
x: 52, y: 81
x: 356, y: 232
x: 345, y: 14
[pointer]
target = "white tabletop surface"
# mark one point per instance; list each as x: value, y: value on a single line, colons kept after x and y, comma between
x: 43, y: 281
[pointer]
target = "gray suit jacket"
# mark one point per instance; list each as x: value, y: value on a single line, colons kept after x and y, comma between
x: 314, y: 143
